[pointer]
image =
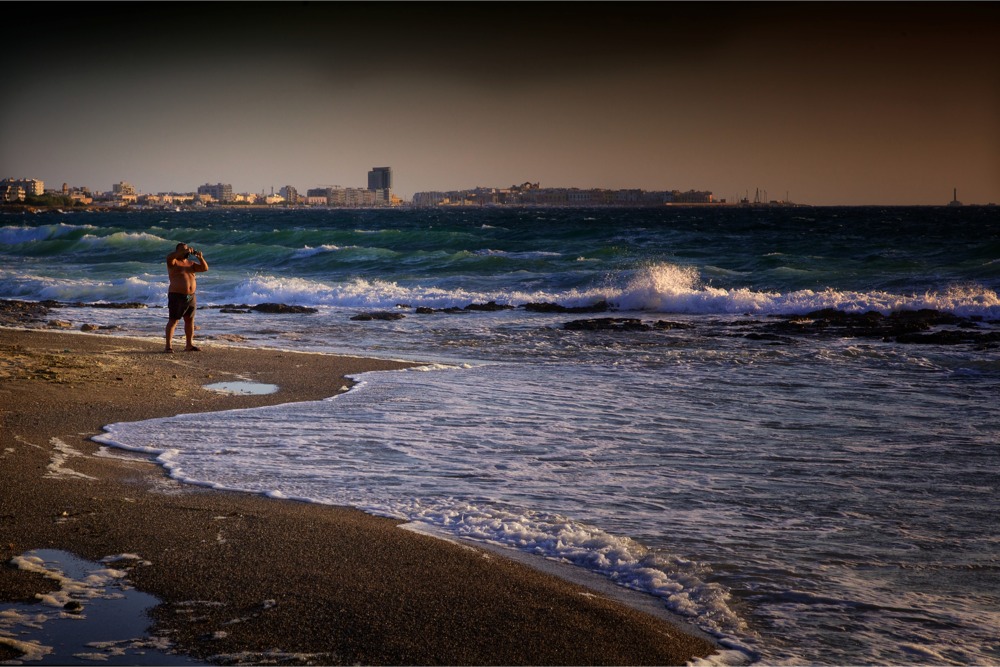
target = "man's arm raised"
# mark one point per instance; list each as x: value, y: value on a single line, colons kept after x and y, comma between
x: 200, y: 268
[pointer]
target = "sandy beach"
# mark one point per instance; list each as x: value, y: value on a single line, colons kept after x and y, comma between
x: 340, y: 586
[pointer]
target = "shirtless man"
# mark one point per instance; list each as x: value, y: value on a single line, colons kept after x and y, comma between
x: 180, y: 296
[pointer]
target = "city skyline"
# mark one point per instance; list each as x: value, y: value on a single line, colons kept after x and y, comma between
x: 840, y: 103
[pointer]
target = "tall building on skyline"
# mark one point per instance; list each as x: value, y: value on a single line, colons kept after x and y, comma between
x: 380, y: 182
x: 380, y: 178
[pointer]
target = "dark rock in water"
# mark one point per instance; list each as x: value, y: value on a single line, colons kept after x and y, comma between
x: 424, y: 310
x: 830, y: 317
x: 17, y: 312
x: 773, y: 338
x: 490, y: 307
x: 608, y: 324
x: 925, y: 316
x: 666, y: 325
x: 622, y: 324
x: 950, y: 337
x: 235, y: 311
x: 282, y: 309
x: 866, y: 325
x: 599, y: 307
x: 384, y: 315
x: 903, y: 326
x: 122, y: 305
x: 129, y: 305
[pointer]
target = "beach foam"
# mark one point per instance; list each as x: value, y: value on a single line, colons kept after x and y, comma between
x: 94, y: 615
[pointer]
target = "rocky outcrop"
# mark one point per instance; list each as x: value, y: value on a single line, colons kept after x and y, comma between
x: 952, y: 337
x: 599, y: 307
x: 917, y: 327
x: 282, y: 309
x: 379, y: 315
x: 21, y: 313
x: 14, y: 312
x: 129, y: 305
x: 904, y: 326
x: 622, y: 324
x: 490, y: 307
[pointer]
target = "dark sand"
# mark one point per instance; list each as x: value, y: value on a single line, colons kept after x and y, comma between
x: 347, y: 587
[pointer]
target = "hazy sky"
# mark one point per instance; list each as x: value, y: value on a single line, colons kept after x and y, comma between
x: 831, y: 103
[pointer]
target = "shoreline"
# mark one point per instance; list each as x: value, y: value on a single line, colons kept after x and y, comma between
x: 330, y: 583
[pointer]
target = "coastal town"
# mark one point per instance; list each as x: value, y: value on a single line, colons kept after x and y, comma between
x: 30, y: 192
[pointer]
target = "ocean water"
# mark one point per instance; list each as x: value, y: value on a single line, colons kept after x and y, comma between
x: 805, y: 499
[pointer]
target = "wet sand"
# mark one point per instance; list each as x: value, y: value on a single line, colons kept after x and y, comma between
x: 332, y: 585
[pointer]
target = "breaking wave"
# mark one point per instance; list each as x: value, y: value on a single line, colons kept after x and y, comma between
x: 667, y: 288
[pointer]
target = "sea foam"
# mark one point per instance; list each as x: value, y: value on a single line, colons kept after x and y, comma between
x: 668, y: 288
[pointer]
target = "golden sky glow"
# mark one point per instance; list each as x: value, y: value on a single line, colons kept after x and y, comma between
x: 833, y: 103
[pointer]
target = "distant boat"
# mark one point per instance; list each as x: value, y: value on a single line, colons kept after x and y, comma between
x: 954, y: 198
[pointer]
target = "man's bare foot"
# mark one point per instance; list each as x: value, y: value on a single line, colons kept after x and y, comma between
x: 169, y: 350
x: 192, y: 348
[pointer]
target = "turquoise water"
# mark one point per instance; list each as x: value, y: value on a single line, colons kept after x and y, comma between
x: 760, y: 259
x: 822, y: 499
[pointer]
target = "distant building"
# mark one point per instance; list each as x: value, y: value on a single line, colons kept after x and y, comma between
x: 11, y: 193
x: 380, y: 178
x: 531, y: 194
x: 220, y: 192
x: 32, y: 186
x: 429, y: 198
x: 290, y: 194
x: 338, y: 196
x: 326, y: 194
x: 123, y: 189
x: 82, y: 197
x: 122, y: 192
x: 356, y: 197
x: 691, y: 197
x: 380, y: 182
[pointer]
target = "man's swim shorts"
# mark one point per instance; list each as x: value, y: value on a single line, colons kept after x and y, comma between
x: 180, y: 305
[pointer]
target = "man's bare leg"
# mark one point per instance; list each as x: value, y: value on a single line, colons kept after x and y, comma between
x: 171, y: 325
x: 189, y: 334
